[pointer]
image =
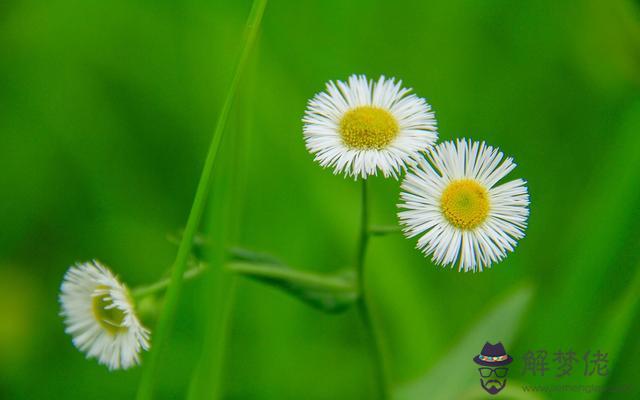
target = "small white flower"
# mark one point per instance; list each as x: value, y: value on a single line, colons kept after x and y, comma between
x: 360, y: 127
x: 452, y: 201
x: 100, y: 316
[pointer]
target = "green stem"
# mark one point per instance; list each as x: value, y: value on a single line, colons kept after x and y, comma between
x: 373, y: 336
x: 162, y: 284
x: 270, y: 271
x: 383, y: 230
x: 165, y: 322
x: 363, y: 235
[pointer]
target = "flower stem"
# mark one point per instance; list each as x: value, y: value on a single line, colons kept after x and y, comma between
x: 383, y: 230
x: 372, y: 334
x: 165, y: 322
x: 162, y: 284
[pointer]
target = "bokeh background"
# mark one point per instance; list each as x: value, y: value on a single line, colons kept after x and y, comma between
x: 106, y: 111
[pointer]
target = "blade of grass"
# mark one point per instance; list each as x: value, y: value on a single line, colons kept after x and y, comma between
x: 206, y: 378
x: 218, y: 289
x: 165, y: 322
x: 604, y: 216
x: 224, y: 221
x: 617, y: 329
x: 456, y: 373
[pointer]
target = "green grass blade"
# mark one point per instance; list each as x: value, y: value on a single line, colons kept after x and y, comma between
x: 223, y: 222
x: 617, y: 328
x: 452, y: 377
x: 165, y: 322
x: 599, y: 224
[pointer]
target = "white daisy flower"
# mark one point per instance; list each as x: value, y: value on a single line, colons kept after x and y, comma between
x: 99, y: 314
x: 452, y: 201
x: 360, y: 127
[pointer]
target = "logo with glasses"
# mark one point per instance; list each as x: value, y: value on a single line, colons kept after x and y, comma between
x: 493, y: 361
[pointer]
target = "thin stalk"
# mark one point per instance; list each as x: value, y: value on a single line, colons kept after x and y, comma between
x: 383, y: 230
x: 165, y: 322
x: 162, y: 284
x: 363, y: 234
x: 301, y: 277
x: 373, y: 336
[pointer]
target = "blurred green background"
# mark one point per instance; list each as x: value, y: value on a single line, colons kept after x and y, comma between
x: 106, y: 111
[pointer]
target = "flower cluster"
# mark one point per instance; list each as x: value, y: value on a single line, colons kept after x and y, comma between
x: 452, y: 197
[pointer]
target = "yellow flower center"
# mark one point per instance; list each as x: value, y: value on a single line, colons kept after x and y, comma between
x: 465, y: 203
x: 110, y: 319
x: 368, y: 127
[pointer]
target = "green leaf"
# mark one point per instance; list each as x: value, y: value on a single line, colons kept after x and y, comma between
x: 456, y: 374
x: 610, y: 204
x: 331, y: 293
x: 616, y: 329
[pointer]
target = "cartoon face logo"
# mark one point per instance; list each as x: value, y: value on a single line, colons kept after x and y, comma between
x: 493, y: 360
